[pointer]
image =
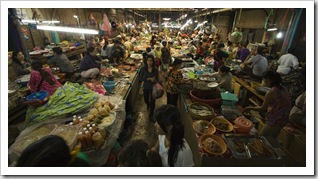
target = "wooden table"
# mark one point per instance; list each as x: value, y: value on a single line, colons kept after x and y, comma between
x: 248, y: 87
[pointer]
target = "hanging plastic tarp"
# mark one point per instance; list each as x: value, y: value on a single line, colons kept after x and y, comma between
x: 55, y: 37
x: 91, y: 23
x: 105, y: 25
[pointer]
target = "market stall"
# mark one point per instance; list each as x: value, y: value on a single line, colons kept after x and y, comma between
x: 230, y: 155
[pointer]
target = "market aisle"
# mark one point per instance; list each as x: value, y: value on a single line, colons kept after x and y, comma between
x: 143, y: 128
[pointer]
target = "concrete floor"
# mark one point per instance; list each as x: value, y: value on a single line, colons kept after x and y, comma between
x: 143, y: 128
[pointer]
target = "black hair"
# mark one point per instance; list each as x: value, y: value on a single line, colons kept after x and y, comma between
x: 153, y: 61
x: 261, y: 50
x: 291, y: 50
x: 221, y: 45
x: 177, y: 61
x: 58, y: 50
x: 137, y: 154
x: 105, y: 45
x: 274, y: 77
x: 36, y: 65
x: 164, y: 43
x: 229, y: 43
x: 169, y: 116
x: 224, y: 69
x: 148, y: 49
x: 144, y: 57
x: 89, y: 50
x: 15, y: 59
x: 50, y: 151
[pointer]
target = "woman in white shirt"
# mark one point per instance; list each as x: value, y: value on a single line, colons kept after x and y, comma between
x: 172, y: 147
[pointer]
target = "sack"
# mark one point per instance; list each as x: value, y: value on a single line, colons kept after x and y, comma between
x: 157, y: 91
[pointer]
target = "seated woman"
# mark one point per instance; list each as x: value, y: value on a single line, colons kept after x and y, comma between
x: 89, y: 67
x: 219, y: 54
x: 19, y: 64
x: 172, y: 146
x: 137, y: 154
x: 224, y: 78
x: 277, y: 104
x: 51, y: 151
x: 62, y: 62
x: 42, y: 79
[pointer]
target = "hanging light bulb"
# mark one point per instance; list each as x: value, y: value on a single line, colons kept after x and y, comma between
x: 279, y: 35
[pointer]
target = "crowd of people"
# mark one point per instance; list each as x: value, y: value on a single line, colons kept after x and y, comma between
x: 171, y: 149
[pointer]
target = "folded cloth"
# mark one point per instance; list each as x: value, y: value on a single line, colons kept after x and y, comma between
x: 70, y: 98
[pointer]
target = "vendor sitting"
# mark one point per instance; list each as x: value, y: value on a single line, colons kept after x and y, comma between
x: 19, y: 64
x: 42, y: 79
x: 62, y: 62
x: 89, y: 67
x: 224, y: 78
x: 258, y: 63
x: 116, y: 52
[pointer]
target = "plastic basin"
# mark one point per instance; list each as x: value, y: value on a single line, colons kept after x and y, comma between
x: 40, y: 95
x: 109, y: 85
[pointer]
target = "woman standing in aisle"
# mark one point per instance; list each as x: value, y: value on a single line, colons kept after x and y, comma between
x: 19, y: 64
x: 42, y: 79
x: 149, y: 75
x: 174, y: 78
x: 166, y: 59
x: 172, y: 146
x: 277, y: 104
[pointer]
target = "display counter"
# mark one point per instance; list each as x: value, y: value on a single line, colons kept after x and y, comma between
x: 227, y: 159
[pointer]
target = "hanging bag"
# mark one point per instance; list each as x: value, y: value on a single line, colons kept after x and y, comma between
x: 157, y: 91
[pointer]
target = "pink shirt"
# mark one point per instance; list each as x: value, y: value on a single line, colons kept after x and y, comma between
x: 35, y: 79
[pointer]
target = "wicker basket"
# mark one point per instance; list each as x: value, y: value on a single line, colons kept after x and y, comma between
x: 201, y: 85
x: 203, y: 143
x: 203, y: 127
x: 221, y: 120
x: 195, y: 116
x: 185, y: 88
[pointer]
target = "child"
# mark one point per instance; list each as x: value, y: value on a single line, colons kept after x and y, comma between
x: 137, y: 154
x: 50, y: 151
x: 173, y: 148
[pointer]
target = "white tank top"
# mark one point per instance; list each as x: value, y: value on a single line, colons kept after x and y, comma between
x: 185, y: 157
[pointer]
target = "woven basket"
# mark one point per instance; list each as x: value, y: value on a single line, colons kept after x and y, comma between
x: 195, y: 116
x: 203, y: 143
x: 201, y: 85
x: 185, y: 88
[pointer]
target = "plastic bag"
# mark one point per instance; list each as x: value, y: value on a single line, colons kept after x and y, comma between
x: 157, y: 91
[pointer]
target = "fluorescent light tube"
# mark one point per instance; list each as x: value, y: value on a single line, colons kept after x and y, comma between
x: 67, y: 29
x: 34, y: 21
x: 272, y: 29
